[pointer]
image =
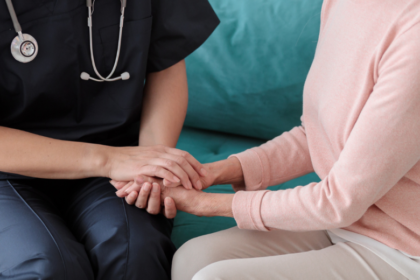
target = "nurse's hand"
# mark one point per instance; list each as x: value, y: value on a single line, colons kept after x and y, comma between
x: 174, y: 166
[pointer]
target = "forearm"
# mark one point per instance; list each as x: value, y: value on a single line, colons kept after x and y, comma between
x: 164, y: 106
x: 37, y: 156
x: 216, y: 204
x: 200, y: 203
x: 228, y: 171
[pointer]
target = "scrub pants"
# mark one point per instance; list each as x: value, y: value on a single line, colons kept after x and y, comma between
x: 79, y: 230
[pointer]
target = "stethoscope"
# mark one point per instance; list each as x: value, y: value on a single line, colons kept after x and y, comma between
x: 24, y: 47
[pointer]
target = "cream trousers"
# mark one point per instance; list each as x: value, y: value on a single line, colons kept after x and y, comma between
x: 236, y: 254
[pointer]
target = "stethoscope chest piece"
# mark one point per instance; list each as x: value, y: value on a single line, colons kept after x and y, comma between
x: 24, y: 48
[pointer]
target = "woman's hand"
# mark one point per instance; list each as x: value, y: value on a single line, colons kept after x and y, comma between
x: 151, y: 195
x: 154, y: 195
x: 199, y: 203
x: 148, y: 197
x: 131, y: 164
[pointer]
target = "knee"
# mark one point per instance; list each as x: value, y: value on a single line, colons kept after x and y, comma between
x: 45, y: 266
x: 185, y: 255
x: 192, y: 257
x: 215, y: 271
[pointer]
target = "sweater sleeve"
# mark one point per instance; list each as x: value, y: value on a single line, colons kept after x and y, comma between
x: 277, y: 161
x: 382, y: 147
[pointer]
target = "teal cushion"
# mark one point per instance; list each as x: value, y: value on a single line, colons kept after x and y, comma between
x: 209, y: 147
x: 248, y: 77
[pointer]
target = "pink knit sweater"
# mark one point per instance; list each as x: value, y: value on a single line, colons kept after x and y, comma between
x: 360, y: 133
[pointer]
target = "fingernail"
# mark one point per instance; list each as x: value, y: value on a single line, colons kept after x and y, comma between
x: 146, y: 187
x: 132, y: 194
x: 155, y: 188
x: 190, y: 185
x: 199, y: 185
x: 176, y: 180
x: 203, y: 172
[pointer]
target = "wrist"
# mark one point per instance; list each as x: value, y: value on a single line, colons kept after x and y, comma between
x: 216, y: 204
x: 228, y: 171
x: 99, y: 160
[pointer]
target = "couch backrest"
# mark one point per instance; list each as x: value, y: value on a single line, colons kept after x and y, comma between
x: 248, y: 77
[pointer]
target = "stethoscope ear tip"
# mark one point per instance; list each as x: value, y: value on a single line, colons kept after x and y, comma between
x: 125, y: 76
x: 84, y: 76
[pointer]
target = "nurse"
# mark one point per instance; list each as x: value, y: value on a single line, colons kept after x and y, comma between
x: 62, y: 138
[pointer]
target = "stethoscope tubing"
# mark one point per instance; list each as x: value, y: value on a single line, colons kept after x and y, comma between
x: 16, y: 24
x: 30, y: 46
x: 108, y: 78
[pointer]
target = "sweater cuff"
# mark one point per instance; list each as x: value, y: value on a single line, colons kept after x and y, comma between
x: 252, y: 168
x: 246, y: 208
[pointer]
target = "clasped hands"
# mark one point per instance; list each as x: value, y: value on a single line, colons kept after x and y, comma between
x: 172, y: 179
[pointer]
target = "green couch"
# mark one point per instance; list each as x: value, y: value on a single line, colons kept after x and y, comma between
x: 246, y: 85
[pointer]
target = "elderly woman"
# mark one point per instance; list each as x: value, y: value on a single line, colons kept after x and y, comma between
x: 360, y: 133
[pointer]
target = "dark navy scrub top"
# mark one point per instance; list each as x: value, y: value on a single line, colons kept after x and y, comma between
x: 47, y: 96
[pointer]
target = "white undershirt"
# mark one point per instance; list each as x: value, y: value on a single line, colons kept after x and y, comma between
x: 407, y: 265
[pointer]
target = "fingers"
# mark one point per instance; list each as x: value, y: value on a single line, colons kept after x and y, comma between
x: 153, y: 206
x: 170, y: 208
x: 189, y: 158
x: 149, y: 196
x: 131, y: 198
x: 192, y: 174
x: 139, y: 182
x: 157, y: 169
x: 174, y: 168
x: 143, y: 179
x: 143, y: 196
x: 121, y: 192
